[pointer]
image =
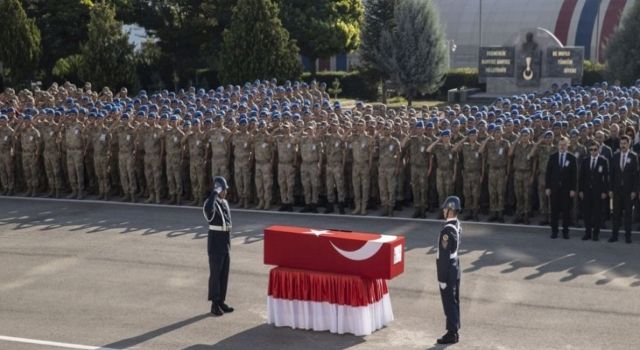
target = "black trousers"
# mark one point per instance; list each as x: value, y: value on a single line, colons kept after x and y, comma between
x: 592, y: 212
x: 622, y: 203
x: 218, y: 277
x: 451, y: 304
x: 560, y: 204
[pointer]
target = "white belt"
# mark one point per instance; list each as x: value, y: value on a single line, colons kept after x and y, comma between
x: 220, y: 228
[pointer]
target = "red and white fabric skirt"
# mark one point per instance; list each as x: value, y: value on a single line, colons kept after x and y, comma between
x: 322, y: 301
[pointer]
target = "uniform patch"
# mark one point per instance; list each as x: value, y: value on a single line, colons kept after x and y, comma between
x: 445, y: 241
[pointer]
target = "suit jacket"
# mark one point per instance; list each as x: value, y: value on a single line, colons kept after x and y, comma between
x: 624, y: 180
x: 606, y: 152
x: 596, y: 180
x: 561, y: 178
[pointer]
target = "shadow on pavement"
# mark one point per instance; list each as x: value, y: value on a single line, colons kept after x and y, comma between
x: 269, y: 337
x: 139, y: 339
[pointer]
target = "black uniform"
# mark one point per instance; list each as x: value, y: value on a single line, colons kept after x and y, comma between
x: 560, y: 178
x: 449, y: 272
x: 594, y: 181
x: 624, y: 181
x: 217, y: 213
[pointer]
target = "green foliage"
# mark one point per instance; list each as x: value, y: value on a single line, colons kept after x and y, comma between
x: 256, y: 45
x: 107, y: 55
x: 623, y: 50
x: 378, y: 16
x: 63, y: 25
x: 323, y: 28
x: 68, y: 68
x: 19, y: 41
x: 415, y: 47
x: 593, y: 73
x: 147, y: 64
x: 354, y: 84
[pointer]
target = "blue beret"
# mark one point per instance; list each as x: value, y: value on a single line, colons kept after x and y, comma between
x: 574, y: 132
x: 498, y: 128
x: 548, y: 134
x: 26, y: 117
x: 4, y: 117
x: 243, y: 121
x: 597, y: 121
x: 491, y: 127
x: 472, y: 131
x: 446, y: 132
x: 557, y: 124
x: 208, y: 121
x: 429, y: 125
x: 420, y: 124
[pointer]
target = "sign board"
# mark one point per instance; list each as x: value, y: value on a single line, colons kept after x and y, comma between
x: 496, y: 62
x: 565, y: 62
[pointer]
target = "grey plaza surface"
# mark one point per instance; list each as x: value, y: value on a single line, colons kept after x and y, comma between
x: 120, y: 276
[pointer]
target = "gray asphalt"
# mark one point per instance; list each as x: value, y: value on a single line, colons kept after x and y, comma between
x: 134, y: 276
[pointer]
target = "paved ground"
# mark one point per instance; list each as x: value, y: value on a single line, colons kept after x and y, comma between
x: 134, y: 276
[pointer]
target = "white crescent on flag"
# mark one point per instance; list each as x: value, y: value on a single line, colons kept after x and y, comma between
x: 368, y: 250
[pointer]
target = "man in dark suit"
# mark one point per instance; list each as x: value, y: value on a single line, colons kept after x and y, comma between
x: 593, y: 187
x: 606, y: 152
x: 624, y: 185
x: 560, y: 181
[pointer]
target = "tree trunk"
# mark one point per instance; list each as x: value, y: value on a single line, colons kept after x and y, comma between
x: 410, y: 97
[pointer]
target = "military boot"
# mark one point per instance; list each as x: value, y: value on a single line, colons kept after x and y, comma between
x: 157, y: 198
x: 259, y: 206
x: 525, y: 219
x: 385, y: 211
x: 49, y: 194
x: 493, y: 217
x: 57, y: 193
x: 390, y: 211
x: 449, y: 338
x: 356, y: 210
x: 80, y: 194
x: 306, y: 209
x: 500, y: 217
x: 149, y: 200
x: 72, y: 195
x: 172, y: 199
x: 179, y: 200
x: 133, y: 197
x: 266, y: 205
x: 283, y: 207
x: 313, y: 208
x: 329, y: 209
x: 363, y: 207
x: 475, y: 216
x: 341, y: 207
x: 417, y: 213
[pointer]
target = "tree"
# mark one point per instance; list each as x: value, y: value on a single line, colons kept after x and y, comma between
x: 63, y: 24
x: 323, y: 28
x: 378, y: 16
x: 107, y: 56
x: 415, y: 47
x: 623, y: 49
x: 256, y: 45
x: 19, y: 41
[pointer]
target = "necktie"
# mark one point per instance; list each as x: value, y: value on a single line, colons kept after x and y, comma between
x: 593, y: 163
x: 624, y: 160
x: 561, y: 159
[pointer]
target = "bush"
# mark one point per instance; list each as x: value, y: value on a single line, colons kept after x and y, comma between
x: 593, y: 73
x: 353, y: 83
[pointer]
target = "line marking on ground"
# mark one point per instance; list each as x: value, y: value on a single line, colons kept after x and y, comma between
x: 52, y: 343
x: 272, y: 212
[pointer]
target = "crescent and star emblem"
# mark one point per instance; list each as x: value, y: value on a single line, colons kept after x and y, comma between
x: 365, y: 252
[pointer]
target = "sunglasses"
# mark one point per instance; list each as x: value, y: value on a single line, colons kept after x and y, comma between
x: 593, y: 149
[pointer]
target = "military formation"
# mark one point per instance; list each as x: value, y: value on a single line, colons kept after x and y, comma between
x: 287, y: 145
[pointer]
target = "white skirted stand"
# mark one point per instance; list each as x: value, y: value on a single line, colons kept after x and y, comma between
x: 321, y: 301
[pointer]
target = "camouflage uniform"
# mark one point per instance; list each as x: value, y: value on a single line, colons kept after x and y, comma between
x: 264, y: 150
x: 7, y: 175
x: 287, y: 146
x: 101, y: 139
x: 75, y: 145
x: 311, y: 153
x: 242, y: 151
x: 52, y: 158
x: 472, y: 165
x: 30, y: 141
x: 126, y: 135
x: 390, y: 154
x: 445, y: 160
x: 497, y: 157
x: 362, y: 146
x: 196, y: 143
x: 523, y: 179
x: 418, y: 160
x: 173, y: 137
x: 335, y: 149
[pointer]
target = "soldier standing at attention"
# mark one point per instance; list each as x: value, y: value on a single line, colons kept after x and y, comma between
x: 473, y: 170
x: 196, y: 143
x: 220, y: 142
x: 243, y: 154
x: 126, y: 135
x: 174, y: 147
x: 335, y: 151
x: 448, y: 268
x: 415, y: 145
x: 264, y: 150
x: 75, y: 144
x: 390, y: 158
x: 7, y: 176
x: 287, y: 146
x: 496, y: 150
x: 51, y: 139
x: 151, y: 134
x: 442, y: 151
x: 541, y: 152
x: 30, y: 141
x: 523, y: 177
x: 311, y: 154
x: 101, y: 139
x: 362, y: 147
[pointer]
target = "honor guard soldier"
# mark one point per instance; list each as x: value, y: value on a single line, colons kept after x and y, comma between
x: 217, y: 213
x: 448, y: 267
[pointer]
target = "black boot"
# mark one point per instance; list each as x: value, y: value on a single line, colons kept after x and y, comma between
x: 469, y: 216
x: 306, y: 209
x: 290, y: 207
x: 329, y: 208
x: 525, y: 219
x: 493, y: 217
x: 416, y: 213
x: 216, y: 310
x: 586, y: 237
x: 313, y: 208
x: 500, y: 217
x: 627, y: 239
x: 226, y: 308
x: 449, y: 338
x: 283, y: 208
x: 341, y: 207
x: 595, y: 236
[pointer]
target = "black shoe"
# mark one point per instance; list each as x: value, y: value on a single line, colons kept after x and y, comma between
x: 398, y: 206
x: 313, y: 208
x: 565, y: 235
x: 543, y: 223
x: 283, y: 208
x: 627, y: 239
x: 216, y: 310
x: 554, y: 235
x: 586, y: 237
x: 468, y: 217
x: 306, y: 209
x: 289, y: 208
x: 226, y: 308
x: 493, y: 218
x: 449, y: 338
x: 417, y: 214
x: 329, y: 209
x: 595, y: 237
x: 613, y: 239
x: 341, y: 208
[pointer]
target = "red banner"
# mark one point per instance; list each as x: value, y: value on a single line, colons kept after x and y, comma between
x: 356, y: 253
